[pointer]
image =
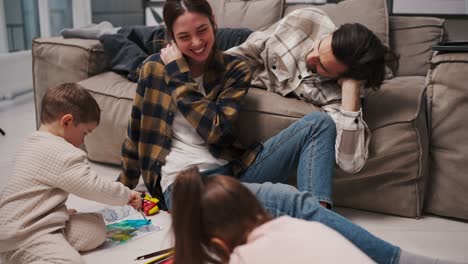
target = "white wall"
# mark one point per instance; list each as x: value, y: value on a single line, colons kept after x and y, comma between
x: 430, y: 6
x: 3, y: 34
x: 15, y: 73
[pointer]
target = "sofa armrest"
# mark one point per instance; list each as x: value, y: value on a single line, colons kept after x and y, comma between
x: 57, y: 60
x: 448, y: 109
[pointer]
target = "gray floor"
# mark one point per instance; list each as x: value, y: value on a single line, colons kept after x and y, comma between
x: 431, y: 236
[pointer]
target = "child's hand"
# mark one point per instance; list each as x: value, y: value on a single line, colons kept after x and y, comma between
x: 71, y: 211
x: 135, y: 200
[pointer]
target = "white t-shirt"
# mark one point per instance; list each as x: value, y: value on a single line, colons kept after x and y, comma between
x: 289, y: 240
x: 188, y: 148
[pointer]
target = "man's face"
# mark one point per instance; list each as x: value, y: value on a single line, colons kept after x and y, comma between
x: 321, y: 59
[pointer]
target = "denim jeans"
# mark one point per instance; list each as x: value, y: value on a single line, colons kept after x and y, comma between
x: 308, y: 146
x: 282, y: 199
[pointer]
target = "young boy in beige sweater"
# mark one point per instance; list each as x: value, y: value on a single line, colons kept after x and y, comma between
x: 35, y: 225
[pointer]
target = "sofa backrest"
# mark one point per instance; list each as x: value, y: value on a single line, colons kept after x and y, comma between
x: 252, y: 14
x: 371, y: 13
x: 412, y: 39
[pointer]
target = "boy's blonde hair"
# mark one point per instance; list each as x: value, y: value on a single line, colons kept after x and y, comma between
x: 69, y: 98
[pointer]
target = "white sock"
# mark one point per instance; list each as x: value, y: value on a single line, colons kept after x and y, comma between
x: 411, y: 258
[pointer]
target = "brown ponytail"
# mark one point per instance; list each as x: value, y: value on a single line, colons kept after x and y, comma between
x: 186, y: 217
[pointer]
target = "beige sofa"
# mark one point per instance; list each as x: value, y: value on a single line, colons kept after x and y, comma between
x: 417, y: 153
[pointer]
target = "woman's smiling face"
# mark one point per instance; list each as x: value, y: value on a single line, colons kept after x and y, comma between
x: 194, y: 36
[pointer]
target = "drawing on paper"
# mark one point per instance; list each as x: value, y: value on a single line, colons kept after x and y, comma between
x: 124, y: 224
x: 130, y: 229
x: 115, y: 213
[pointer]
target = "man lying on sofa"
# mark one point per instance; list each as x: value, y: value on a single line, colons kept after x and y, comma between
x: 304, y: 55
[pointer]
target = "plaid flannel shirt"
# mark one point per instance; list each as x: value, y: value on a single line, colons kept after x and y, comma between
x: 161, y: 90
x: 277, y: 58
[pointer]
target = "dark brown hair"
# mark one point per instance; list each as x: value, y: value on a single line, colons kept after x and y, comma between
x: 207, y: 207
x: 175, y: 8
x: 69, y: 98
x: 363, y: 53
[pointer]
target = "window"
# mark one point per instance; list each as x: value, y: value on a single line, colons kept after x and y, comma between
x: 22, y: 23
x: 23, y: 20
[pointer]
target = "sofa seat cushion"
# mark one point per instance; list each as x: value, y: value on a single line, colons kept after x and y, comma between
x: 393, y: 179
x: 114, y: 94
x: 448, y: 97
x: 264, y: 114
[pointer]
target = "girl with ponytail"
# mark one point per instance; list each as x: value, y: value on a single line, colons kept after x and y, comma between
x: 218, y: 220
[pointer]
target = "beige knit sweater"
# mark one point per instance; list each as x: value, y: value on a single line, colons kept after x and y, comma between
x: 47, y: 169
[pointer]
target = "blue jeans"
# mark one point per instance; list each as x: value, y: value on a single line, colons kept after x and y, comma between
x: 308, y: 146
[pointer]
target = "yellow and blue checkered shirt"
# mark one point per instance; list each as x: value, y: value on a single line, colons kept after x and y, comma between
x: 164, y: 89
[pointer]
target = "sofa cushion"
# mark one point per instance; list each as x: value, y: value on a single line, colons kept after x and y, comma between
x: 114, y: 94
x: 412, y: 39
x: 393, y: 180
x: 371, y: 13
x: 264, y: 114
x: 57, y: 60
x: 252, y: 14
x: 448, y: 95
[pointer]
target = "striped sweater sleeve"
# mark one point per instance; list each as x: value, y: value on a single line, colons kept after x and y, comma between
x: 78, y: 178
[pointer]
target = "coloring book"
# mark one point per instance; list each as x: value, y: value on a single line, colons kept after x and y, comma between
x: 124, y: 224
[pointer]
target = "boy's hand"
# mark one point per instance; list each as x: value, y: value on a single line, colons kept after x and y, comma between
x: 171, y: 53
x: 135, y: 200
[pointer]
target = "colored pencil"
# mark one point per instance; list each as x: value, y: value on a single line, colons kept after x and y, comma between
x: 160, y: 257
x: 166, y: 260
x: 154, y: 254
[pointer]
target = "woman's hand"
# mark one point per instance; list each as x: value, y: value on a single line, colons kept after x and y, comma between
x: 171, y: 53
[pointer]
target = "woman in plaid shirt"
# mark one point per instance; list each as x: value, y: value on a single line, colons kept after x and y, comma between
x: 188, y: 98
